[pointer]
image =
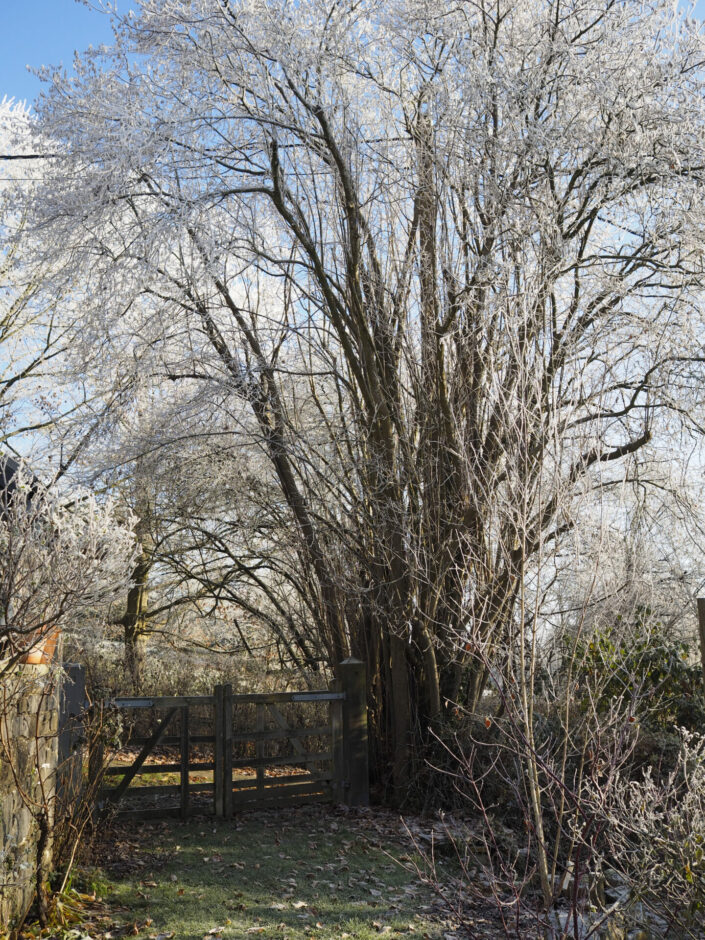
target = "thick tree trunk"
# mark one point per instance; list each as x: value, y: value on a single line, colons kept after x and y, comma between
x: 135, y: 617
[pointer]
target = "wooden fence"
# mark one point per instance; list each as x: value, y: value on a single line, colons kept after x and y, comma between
x: 324, y: 759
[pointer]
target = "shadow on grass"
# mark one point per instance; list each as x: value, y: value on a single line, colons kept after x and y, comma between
x: 289, y: 875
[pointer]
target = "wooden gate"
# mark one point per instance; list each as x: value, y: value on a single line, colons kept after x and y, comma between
x: 271, y: 749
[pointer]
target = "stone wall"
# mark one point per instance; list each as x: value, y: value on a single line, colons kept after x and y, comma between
x: 29, y: 720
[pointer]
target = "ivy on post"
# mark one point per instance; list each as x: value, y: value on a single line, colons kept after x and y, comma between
x: 353, y: 679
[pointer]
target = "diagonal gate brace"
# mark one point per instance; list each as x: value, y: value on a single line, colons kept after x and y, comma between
x: 113, y: 796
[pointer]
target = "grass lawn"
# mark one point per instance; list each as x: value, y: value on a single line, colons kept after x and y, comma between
x: 295, y: 874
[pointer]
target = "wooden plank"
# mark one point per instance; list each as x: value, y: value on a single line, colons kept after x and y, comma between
x: 260, y: 746
x: 161, y: 701
x: 278, y: 735
x: 130, y: 703
x: 116, y: 769
x: 166, y: 812
x: 175, y: 740
x: 284, y: 802
x: 287, y: 796
x: 267, y: 698
x: 160, y: 789
x: 228, y: 751
x: 272, y: 783
x: 284, y: 761
x: 163, y: 788
x: 184, y: 770
x: 118, y: 791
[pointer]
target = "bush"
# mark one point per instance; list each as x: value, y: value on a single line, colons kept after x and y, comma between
x: 645, y: 668
x: 654, y: 836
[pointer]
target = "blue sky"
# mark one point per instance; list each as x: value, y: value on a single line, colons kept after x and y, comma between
x: 47, y: 32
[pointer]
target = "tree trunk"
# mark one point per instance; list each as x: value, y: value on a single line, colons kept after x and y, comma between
x: 135, y: 617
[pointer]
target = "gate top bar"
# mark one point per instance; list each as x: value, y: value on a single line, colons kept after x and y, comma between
x: 270, y: 698
x: 161, y: 701
x: 130, y: 703
x: 178, y: 701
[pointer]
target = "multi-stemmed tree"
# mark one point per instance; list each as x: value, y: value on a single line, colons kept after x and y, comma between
x: 434, y: 268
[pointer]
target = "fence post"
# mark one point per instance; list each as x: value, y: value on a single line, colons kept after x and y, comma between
x: 351, y: 673
x: 218, y: 778
x: 71, y: 718
x: 701, y: 626
x: 227, y: 750
x: 335, y: 719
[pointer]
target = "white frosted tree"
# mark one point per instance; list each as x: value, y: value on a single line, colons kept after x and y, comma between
x: 439, y: 266
x: 63, y: 558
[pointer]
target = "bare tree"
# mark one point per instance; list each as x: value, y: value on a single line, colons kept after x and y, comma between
x: 440, y: 265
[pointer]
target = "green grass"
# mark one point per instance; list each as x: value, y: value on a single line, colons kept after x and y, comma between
x: 286, y: 875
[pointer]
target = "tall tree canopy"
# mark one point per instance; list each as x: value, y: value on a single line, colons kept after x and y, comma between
x: 438, y: 264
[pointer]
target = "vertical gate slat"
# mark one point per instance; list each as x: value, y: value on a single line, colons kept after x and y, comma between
x: 260, y: 747
x: 184, y: 761
x: 227, y: 750
x: 218, y: 779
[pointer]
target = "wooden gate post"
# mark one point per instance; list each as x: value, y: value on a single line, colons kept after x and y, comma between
x: 352, y: 675
x: 223, y: 750
x: 71, y: 718
x: 218, y: 753
x: 335, y: 719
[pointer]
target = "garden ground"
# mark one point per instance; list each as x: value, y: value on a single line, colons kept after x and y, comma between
x: 300, y: 874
